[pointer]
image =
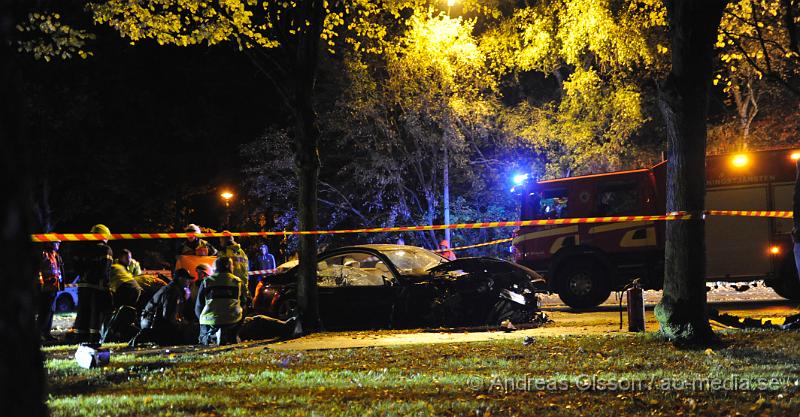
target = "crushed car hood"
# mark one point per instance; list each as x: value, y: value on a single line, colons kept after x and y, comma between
x: 490, y: 265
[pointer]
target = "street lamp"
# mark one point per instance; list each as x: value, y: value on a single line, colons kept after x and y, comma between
x: 227, y: 196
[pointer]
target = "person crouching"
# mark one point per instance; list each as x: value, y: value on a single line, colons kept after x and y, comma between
x: 219, y: 305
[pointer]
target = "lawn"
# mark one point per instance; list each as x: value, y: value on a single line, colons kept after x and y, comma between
x: 753, y: 373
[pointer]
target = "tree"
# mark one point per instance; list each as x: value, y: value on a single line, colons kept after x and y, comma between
x: 757, y: 56
x: 283, y: 41
x: 385, y: 129
x: 22, y: 377
x: 684, y: 104
x: 598, y: 58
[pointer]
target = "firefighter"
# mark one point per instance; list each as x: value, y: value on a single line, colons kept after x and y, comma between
x: 93, y: 263
x: 51, y: 273
x: 193, y: 245
x: 125, y: 291
x: 203, y: 271
x: 162, y: 319
x: 130, y: 264
x: 219, y: 305
x: 241, y: 265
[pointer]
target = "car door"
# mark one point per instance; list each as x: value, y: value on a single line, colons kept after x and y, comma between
x: 354, y: 290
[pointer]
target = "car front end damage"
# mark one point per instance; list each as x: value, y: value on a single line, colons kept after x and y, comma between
x: 485, y: 291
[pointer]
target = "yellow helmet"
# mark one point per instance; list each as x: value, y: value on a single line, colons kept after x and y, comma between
x: 100, y: 229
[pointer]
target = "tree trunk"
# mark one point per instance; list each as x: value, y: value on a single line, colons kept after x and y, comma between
x: 22, y: 377
x: 307, y: 161
x: 684, y: 104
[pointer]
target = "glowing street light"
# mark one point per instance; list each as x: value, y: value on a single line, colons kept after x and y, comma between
x: 450, y: 3
x: 227, y: 196
x: 795, y: 155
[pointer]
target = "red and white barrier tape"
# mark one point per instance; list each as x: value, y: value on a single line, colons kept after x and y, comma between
x: 681, y: 215
x: 478, y: 245
x: 73, y: 237
x: 263, y: 272
x: 774, y: 214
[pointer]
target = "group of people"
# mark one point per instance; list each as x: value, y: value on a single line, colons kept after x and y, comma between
x: 207, y: 307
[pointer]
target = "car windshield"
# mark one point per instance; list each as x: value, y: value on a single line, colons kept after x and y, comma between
x: 413, y: 260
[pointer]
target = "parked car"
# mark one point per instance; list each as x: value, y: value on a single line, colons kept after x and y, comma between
x: 67, y: 299
x: 372, y: 286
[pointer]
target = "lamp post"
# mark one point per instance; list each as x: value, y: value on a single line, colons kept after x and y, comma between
x: 227, y: 196
x: 446, y: 170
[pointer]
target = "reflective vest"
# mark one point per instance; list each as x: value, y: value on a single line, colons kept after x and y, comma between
x: 134, y: 268
x: 241, y: 265
x: 119, y: 276
x: 240, y: 262
x: 50, y: 271
x: 202, y: 249
x: 220, y: 298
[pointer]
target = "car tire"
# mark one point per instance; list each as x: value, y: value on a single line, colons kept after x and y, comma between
x: 788, y: 285
x: 286, y: 308
x: 583, y: 284
x: 64, y: 304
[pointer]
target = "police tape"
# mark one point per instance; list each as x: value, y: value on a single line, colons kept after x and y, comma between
x: 73, y: 237
x: 744, y: 213
x: 679, y: 215
x: 478, y: 245
x: 263, y: 272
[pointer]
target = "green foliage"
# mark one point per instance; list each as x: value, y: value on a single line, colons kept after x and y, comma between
x: 46, y: 37
x: 600, y: 54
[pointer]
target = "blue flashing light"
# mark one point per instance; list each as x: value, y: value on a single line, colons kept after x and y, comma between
x: 520, y: 178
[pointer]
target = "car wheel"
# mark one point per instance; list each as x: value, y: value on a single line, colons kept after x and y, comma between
x: 64, y: 304
x: 583, y: 284
x: 287, y: 308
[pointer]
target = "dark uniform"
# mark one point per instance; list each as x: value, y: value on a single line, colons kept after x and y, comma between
x: 93, y: 263
x: 51, y: 272
x: 219, y: 307
x: 162, y: 319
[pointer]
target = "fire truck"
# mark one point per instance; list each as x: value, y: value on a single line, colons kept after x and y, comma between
x: 583, y: 263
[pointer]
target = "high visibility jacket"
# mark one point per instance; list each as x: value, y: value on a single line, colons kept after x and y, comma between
x: 119, y: 276
x: 198, y: 248
x: 241, y: 265
x: 51, y: 271
x: 219, y: 300
x: 240, y: 262
x: 134, y: 268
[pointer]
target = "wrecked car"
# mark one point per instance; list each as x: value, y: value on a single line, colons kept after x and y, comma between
x: 397, y: 286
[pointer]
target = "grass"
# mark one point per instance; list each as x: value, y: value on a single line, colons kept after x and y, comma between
x: 482, y: 378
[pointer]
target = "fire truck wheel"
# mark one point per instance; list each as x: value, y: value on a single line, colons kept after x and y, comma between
x: 583, y: 284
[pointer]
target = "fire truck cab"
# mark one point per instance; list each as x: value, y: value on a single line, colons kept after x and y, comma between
x: 583, y: 263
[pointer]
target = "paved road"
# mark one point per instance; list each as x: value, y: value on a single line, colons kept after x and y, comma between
x: 759, y: 302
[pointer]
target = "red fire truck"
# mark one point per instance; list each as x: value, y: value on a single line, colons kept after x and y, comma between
x: 583, y: 263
